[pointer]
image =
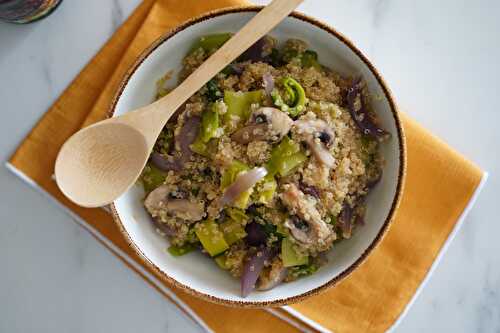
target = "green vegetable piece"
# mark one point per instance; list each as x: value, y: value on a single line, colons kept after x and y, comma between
x: 233, y: 231
x: 289, y: 256
x: 209, y: 43
x: 178, y: 251
x: 267, y: 188
x: 276, y: 59
x: 269, y: 228
x: 208, y: 130
x: 285, y: 157
x: 237, y: 215
x: 229, y: 176
x: 238, y: 104
x: 290, y: 163
x: 199, y: 147
x: 333, y: 220
x: 282, y: 231
x: 310, y: 59
x: 220, y: 260
x: 209, y: 123
x: 295, y: 97
x: 289, y: 54
x: 161, y: 90
x: 303, y: 270
x: 152, y: 177
x: 213, y: 92
x: 211, y: 237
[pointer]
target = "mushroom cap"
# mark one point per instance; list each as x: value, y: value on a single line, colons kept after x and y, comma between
x: 318, y: 136
x: 158, y: 200
x: 305, y: 209
x: 265, y: 124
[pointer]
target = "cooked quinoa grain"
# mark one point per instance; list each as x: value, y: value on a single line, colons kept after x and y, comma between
x: 267, y: 166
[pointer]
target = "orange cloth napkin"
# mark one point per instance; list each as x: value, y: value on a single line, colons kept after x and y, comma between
x: 439, y: 185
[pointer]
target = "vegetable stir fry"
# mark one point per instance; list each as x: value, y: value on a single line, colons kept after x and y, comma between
x: 267, y: 167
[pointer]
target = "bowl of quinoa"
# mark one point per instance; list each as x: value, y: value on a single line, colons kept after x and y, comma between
x: 278, y: 177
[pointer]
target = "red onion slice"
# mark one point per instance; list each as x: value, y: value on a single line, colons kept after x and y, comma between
x: 255, y: 52
x: 361, y: 116
x: 187, y: 135
x: 268, y: 82
x: 255, y: 234
x: 243, y: 182
x: 345, y: 220
x: 252, y: 269
x: 165, y: 163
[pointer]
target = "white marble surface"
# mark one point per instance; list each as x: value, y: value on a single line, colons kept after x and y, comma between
x: 439, y: 58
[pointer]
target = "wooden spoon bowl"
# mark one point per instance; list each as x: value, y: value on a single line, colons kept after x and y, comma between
x: 99, y: 163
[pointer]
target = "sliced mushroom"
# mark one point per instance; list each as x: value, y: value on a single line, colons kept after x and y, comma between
x: 185, y: 209
x: 271, y: 276
x: 318, y: 136
x: 159, y: 201
x: 156, y: 199
x: 265, y: 124
x: 309, y: 228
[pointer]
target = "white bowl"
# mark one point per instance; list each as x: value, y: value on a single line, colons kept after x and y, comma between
x: 194, y: 272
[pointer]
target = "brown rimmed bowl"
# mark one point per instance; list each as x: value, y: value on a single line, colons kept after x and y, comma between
x: 195, y: 273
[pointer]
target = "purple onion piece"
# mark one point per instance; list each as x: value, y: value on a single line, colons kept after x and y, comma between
x: 373, y: 182
x: 268, y: 82
x: 360, y: 220
x: 255, y: 234
x: 255, y: 52
x: 242, y: 183
x: 361, y: 116
x: 165, y: 163
x: 187, y: 135
x: 345, y: 220
x: 252, y: 269
x: 308, y: 189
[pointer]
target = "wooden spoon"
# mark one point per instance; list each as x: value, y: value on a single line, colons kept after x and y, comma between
x: 100, y: 162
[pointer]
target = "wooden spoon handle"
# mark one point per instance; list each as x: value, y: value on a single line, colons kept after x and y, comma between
x: 255, y: 29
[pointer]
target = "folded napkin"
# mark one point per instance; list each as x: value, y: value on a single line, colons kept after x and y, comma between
x: 440, y: 187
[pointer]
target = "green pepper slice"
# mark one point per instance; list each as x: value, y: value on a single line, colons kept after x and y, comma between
x: 209, y: 43
x: 211, y: 237
x: 295, y: 97
x: 285, y: 157
x: 238, y: 104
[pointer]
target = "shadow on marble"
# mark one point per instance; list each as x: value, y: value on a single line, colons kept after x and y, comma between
x: 12, y: 35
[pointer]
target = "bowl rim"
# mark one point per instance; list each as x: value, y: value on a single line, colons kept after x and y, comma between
x: 163, y: 276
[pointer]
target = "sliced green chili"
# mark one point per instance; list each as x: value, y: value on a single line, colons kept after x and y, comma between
x: 295, y: 97
x: 209, y: 43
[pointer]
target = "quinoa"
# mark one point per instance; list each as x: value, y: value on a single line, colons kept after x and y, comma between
x: 314, y: 163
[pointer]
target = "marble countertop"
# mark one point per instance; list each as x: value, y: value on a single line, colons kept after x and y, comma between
x: 439, y: 57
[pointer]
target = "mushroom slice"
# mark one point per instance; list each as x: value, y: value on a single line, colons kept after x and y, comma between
x: 308, y: 228
x: 318, y: 136
x: 185, y: 209
x: 156, y: 199
x: 159, y: 201
x: 265, y: 124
